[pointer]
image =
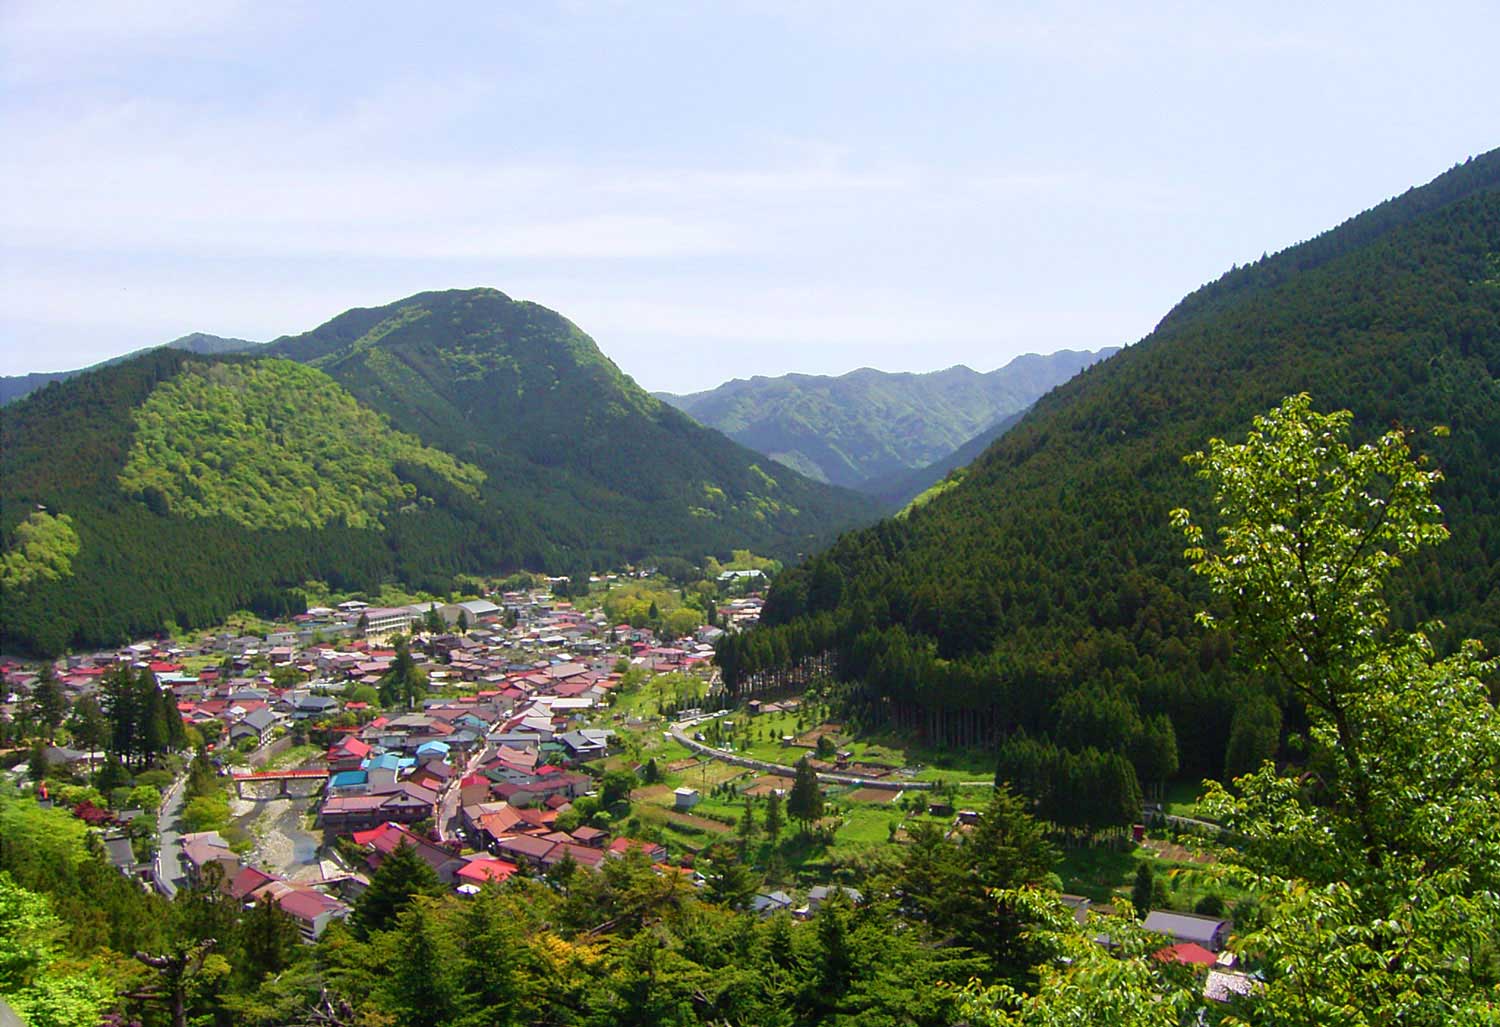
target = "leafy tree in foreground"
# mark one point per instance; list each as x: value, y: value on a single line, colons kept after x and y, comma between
x: 1384, y: 872
x: 1377, y: 875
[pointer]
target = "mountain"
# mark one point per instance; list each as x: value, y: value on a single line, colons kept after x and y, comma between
x: 450, y: 432
x: 869, y: 424
x: 14, y: 387
x: 1046, y: 592
x: 895, y: 491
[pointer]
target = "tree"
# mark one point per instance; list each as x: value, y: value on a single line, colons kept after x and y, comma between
x: 805, y: 801
x: 1143, y: 890
x: 48, y: 705
x: 36, y: 767
x: 729, y: 882
x: 773, y: 816
x: 401, y: 876
x: 1383, y: 867
x: 87, y: 724
x: 1254, y: 735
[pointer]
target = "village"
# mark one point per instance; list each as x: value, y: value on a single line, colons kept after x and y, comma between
x: 545, y: 740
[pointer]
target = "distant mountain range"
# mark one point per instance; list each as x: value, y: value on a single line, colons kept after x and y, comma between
x: 14, y: 387
x: 866, y: 429
x: 449, y: 432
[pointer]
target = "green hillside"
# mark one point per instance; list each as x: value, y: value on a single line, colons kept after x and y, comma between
x: 1047, y: 594
x: 867, y: 425
x: 273, y: 444
x: 453, y: 432
x: 567, y: 440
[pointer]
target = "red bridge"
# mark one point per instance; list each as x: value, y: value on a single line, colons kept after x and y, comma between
x: 283, y: 777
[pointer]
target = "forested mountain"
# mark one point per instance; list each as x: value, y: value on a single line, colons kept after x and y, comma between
x: 14, y: 387
x: 1045, y: 599
x: 451, y: 432
x: 894, y: 491
x: 868, y: 424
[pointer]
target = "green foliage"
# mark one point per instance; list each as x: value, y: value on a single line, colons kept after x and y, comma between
x: 1383, y: 874
x: 805, y: 800
x: 401, y: 877
x: 273, y: 444
x: 41, y: 547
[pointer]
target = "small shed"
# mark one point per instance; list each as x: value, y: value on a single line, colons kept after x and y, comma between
x: 686, y: 798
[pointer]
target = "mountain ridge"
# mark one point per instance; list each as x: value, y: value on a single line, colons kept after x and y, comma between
x: 517, y: 444
x: 14, y: 387
x: 866, y: 424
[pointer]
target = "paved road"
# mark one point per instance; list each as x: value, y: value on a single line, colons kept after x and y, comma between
x: 168, y: 868
x: 447, y: 811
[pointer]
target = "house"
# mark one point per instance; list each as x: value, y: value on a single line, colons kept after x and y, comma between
x: 820, y: 894
x: 204, y: 850
x: 256, y: 724
x: 767, y: 903
x: 685, y: 798
x: 310, y: 909
x: 1186, y: 953
x: 1210, y: 932
x: 654, y: 852
x: 381, y: 841
x: 480, y: 869
x: 345, y: 814
x: 311, y: 707
x: 586, y: 744
x: 1080, y: 905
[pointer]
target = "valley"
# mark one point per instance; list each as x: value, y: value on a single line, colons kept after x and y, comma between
x: 423, y: 668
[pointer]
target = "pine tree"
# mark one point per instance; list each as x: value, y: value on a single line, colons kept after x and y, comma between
x: 48, y: 704
x: 773, y: 816
x: 401, y: 876
x: 805, y: 802
x: 36, y: 767
x: 1143, y: 890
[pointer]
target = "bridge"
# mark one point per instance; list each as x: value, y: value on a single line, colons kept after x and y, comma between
x: 283, y: 779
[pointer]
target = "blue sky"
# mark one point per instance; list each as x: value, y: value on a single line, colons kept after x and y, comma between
x: 710, y: 190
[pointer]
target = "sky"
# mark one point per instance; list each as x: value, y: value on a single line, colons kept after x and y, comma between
x: 709, y: 190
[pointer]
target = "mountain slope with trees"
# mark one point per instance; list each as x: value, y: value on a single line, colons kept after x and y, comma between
x: 867, y: 424
x: 453, y: 432
x: 1043, y: 601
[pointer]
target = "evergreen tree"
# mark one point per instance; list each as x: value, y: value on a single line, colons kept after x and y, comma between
x: 48, y: 705
x: 1143, y: 890
x: 120, y: 705
x: 268, y: 940
x: 402, y: 876
x: 36, y: 767
x: 773, y: 816
x: 805, y: 801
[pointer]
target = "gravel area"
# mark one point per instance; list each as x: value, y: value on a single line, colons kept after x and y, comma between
x: 282, y: 845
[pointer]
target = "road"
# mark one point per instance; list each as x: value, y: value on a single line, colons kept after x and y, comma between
x: 679, y: 735
x: 168, y: 870
x: 448, y: 802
